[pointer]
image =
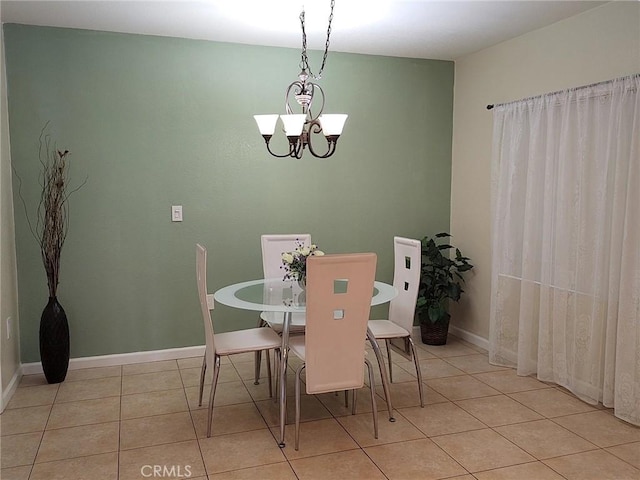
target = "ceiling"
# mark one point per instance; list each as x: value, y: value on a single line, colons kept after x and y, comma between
x: 442, y: 30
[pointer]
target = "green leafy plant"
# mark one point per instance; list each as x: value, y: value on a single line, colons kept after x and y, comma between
x: 440, y: 280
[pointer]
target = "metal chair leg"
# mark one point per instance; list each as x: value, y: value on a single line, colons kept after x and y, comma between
x: 388, y: 345
x: 258, y: 356
x: 268, y: 358
x: 202, y: 373
x: 354, y: 401
x: 216, y: 371
x: 298, y: 372
x: 373, y: 398
x: 383, y: 373
x: 418, y: 372
x: 258, y: 360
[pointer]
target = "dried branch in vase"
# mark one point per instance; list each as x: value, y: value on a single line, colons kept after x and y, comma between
x: 52, y: 216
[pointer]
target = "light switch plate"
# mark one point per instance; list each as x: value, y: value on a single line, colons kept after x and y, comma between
x: 176, y: 213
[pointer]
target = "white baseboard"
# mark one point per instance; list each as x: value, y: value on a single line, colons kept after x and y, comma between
x: 472, y: 338
x: 122, y: 359
x: 11, y: 388
x: 467, y: 336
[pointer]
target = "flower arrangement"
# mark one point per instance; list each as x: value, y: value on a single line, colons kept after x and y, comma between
x: 295, y: 263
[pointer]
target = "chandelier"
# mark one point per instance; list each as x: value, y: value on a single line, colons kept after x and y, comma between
x: 299, y: 127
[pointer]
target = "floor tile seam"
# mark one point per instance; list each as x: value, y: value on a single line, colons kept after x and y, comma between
x: 455, y: 402
x: 516, y: 445
x: 149, y: 416
x: 33, y: 462
x: 83, y: 399
x: 73, y: 457
x: 511, y: 396
x: 44, y: 430
x: 587, y: 451
x: 173, y: 360
x: 90, y: 424
x: 17, y: 466
x: 425, y: 380
x: 337, y: 419
x: 133, y: 375
x: 530, y: 462
x: 154, y: 390
x: 474, y: 429
x: 120, y: 422
x: 433, y: 436
x: 460, y: 399
x: 364, y: 451
x: 435, y: 444
x: 506, y: 393
x: 620, y: 458
x: 78, y: 380
x: 151, y: 391
x: 553, y: 419
x: 316, y: 455
x: 193, y: 423
x: 595, y: 447
x: 409, y: 371
x: 245, y: 468
x: 152, y: 414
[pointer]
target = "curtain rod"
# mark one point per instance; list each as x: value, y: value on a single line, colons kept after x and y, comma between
x: 491, y: 106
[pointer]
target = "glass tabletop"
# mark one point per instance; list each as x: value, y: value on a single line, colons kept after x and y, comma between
x: 277, y: 295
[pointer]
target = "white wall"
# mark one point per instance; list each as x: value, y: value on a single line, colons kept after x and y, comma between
x: 600, y: 44
x: 9, y: 347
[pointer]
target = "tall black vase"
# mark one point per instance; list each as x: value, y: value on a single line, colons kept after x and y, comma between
x: 54, y: 342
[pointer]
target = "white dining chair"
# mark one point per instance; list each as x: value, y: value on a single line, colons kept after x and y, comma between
x: 332, y: 350
x: 228, y: 343
x: 273, y: 246
x: 396, y: 331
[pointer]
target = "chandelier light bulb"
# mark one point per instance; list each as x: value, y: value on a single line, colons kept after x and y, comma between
x: 266, y: 123
x: 293, y: 124
x: 332, y: 124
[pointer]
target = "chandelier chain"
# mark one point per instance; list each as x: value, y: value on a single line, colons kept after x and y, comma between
x: 304, y: 64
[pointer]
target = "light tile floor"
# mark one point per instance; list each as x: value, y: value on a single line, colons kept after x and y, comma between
x: 480, y: 422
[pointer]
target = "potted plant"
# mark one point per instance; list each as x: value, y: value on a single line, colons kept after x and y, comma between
x: 440, y: 281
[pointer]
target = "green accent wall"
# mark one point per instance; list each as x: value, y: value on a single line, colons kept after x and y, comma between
x: 153, y: 122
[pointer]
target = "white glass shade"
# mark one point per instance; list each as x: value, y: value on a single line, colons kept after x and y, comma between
x: 293, y: 124
x: 266, y: 123
x: 332, y: 124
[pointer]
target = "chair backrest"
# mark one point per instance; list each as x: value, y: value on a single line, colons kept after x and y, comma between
x: 406, y: 278
x: 273, y: 246
x: 206, y: 303
x: 336, y: 325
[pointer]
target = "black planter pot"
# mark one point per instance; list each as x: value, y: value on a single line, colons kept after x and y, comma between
x: 54, y: 342
x: 434, y: 333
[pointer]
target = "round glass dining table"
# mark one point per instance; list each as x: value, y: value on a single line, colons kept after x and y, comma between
x: 285, y: 296
x: 277, y: 295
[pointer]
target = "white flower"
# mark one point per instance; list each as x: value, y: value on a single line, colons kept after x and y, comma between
x: 318, y: 253
x: 305, y: 251
x: 287, y: 257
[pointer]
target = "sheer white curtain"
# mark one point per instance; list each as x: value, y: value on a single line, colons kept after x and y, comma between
x: 565, y: 298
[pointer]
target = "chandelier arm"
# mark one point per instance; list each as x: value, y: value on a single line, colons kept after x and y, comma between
x: 300, y: 87
x: 322, y: 104
x: 314, y: 128
x: 275, y: 154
